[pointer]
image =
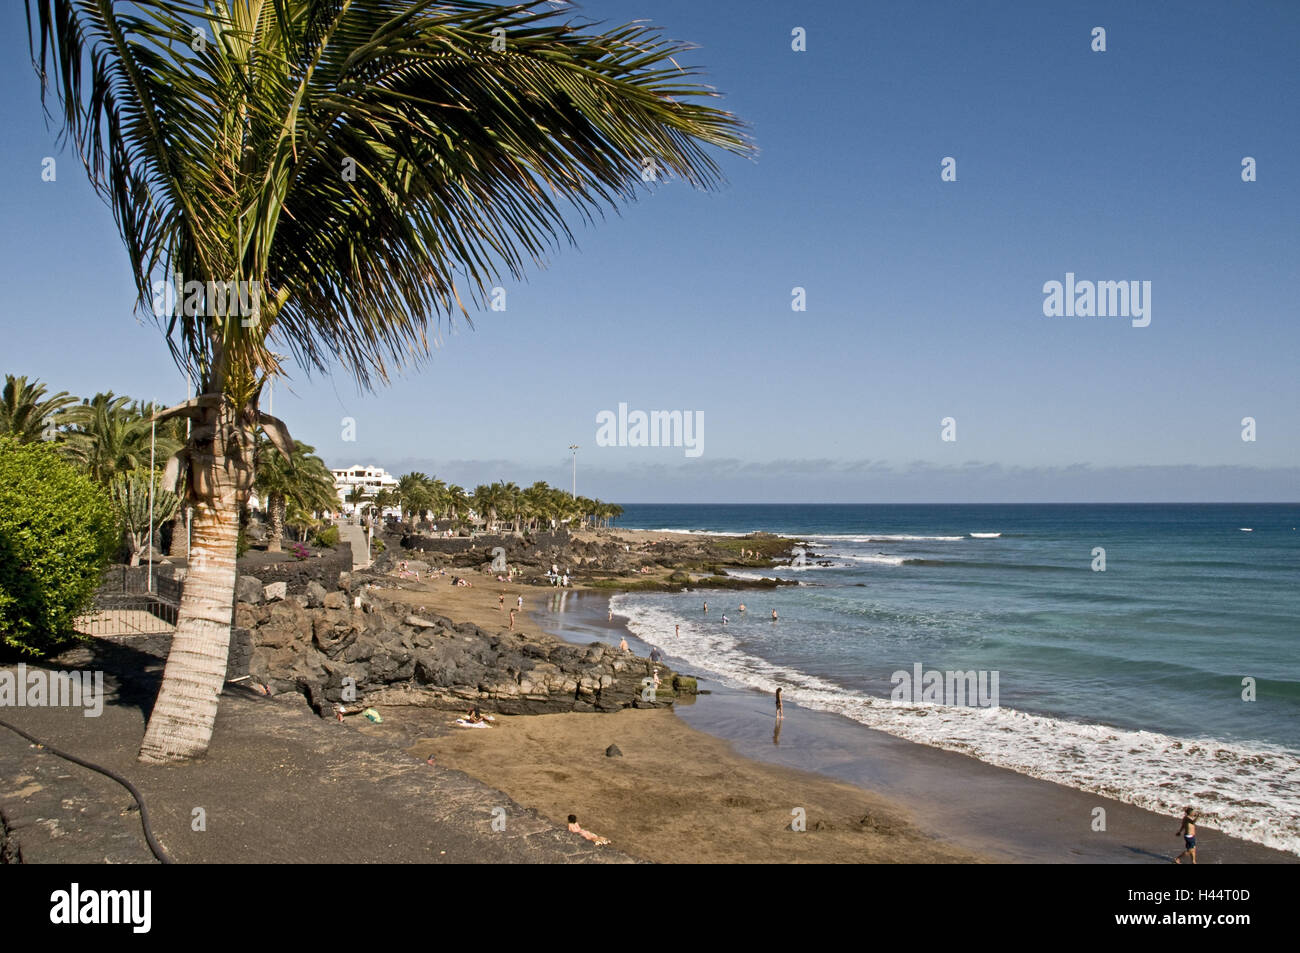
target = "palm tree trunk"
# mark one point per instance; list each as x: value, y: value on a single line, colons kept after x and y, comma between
x: 275, y: 509
x: 179, y: 547
x: 186, y: 708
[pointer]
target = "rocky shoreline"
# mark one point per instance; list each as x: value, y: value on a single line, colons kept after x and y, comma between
x: 355, y: 642
x: 606, y: 559
x: 352, y: 647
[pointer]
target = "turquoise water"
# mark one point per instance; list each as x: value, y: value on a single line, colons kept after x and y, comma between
x: 1127, y: 681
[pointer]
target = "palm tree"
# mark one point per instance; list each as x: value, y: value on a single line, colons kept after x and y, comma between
x: 357, y: 497
x: 413, y: 488
x: 437, y: 496
x: 386, y: 499
x: 27, y: 415
x: 301, y: 479
x: 112, y: 435
x: 457, y: 502
x: 355, y: 169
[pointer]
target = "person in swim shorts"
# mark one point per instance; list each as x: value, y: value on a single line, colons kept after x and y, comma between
x: 1187, y: 831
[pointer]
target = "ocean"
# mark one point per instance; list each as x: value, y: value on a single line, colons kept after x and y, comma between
x: 1170, y: 676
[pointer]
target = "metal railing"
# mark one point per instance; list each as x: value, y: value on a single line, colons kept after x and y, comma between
x: 125, y: 604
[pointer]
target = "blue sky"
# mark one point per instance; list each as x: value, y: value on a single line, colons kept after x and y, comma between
x: 924, y: 298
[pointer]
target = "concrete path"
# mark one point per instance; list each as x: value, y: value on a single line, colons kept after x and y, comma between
x: 354, y: 534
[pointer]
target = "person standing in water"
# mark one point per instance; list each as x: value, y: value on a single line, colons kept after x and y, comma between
x: 780, y: 710
x: 773, y: 615
x: 1187, y: 831
x: 706, y: 608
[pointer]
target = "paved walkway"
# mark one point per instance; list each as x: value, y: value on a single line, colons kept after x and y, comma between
x: 278, y: 785
x: 354, y: 534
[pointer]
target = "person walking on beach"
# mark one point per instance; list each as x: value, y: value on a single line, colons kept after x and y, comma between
x: 501, y: 601
x: 1187, y: 831
x: 512, y: 617
x: 519, y: 603
x: 780, y: 710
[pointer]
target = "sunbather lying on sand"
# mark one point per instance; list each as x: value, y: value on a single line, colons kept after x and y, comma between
x: 576, y: 828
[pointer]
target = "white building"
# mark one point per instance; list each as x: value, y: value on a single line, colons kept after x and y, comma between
x: 373, y: 479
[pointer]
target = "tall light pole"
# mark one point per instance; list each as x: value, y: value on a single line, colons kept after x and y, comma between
x: 153, y: 438
x: 574, y: 448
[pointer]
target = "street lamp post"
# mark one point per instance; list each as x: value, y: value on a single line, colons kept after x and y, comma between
x: 574, y: 448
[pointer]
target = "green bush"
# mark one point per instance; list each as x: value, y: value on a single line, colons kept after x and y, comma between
x: 327, y: 537
x: 58, y: 529
x: 376, y: 546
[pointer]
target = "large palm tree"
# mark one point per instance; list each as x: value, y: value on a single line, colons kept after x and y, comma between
x: 27, y: 415
x: 363, y: 167
x: 300, y: 479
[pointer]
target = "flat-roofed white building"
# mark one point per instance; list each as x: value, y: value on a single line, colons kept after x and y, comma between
x: 373, y: 479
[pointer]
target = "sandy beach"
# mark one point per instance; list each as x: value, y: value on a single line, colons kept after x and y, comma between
x: 680, y: 794
x: 677, y: 795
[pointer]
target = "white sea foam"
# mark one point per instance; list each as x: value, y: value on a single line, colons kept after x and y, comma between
x: 880, y: 558
x: 985, y: 535
x: 883, y: 538
x: 698, y: 532
x: 1247, y: 792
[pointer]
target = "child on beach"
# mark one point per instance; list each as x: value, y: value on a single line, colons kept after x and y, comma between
x: 1187, y: 831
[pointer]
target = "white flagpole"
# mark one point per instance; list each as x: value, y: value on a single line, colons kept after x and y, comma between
x: 153, y: 434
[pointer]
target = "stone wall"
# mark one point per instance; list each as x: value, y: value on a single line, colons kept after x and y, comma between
x: 297, y: 573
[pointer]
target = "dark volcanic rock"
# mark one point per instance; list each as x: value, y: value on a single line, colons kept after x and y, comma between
x: 613, y: 752
x: 248, y: 589
x: 397, y: 658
